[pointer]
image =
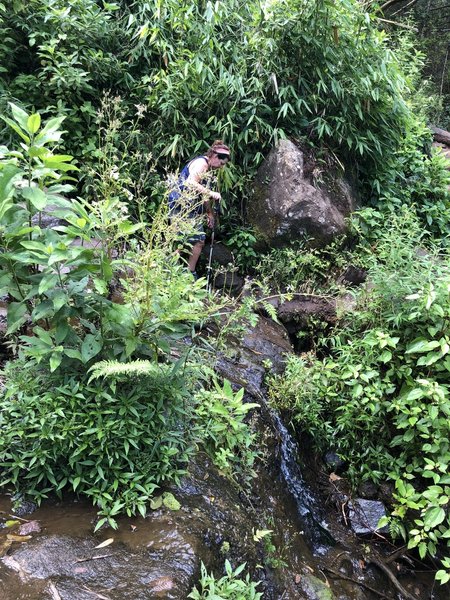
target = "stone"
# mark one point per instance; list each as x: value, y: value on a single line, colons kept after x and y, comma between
x: 29, y: 527
x: 364, y: 516
x: 221, y: 255
x: 334, y: 462
x: 368, y: 490
x: 228, y: 281
x: 169, y: 564
x: 314, y: 588
x: 290, y: 202
x: 22, y: 507
x: 265, y: 345
x: 352, y: 276
x: 224, y: 275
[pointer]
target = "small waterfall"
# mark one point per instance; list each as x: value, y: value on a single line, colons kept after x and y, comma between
x: 313, y: 526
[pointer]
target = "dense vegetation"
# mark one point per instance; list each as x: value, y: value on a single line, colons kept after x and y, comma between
x: 138, y: 87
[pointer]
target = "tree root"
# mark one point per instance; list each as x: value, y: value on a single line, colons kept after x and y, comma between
x: 356, y: 582
x: 392, y: 578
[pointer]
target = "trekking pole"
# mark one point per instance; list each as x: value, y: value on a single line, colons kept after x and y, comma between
x: 216, y: 211
x: 208, y: 277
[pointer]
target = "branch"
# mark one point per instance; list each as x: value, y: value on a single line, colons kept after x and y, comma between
x: 398, y: 24
x: 404, y: 8
x: 439, y: 7
x: 389, y: 3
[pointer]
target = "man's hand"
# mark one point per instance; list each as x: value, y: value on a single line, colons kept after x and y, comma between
x: 211, y: 221
x: 215, y: 196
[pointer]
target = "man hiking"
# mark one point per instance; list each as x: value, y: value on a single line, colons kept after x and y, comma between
x: 192, y: 196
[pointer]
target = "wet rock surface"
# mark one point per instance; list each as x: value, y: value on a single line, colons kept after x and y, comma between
x: 159, y: 556
x: 75, y: 566
x: 262, y: 347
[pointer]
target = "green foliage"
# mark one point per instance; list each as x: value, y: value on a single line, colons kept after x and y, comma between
x: 381, y: 397
x: 226, y: 437
x: 115, y: 442
x: 416, y: 176
x: 299, y: 268
x: 241, y: 242
x: 59, y: 278
x: 228, y: 587
x: 200, y: 71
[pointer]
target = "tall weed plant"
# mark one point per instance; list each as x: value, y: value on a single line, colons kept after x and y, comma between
x: 96, y: 287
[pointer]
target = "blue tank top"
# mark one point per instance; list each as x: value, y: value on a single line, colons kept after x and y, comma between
x: 175, y: 194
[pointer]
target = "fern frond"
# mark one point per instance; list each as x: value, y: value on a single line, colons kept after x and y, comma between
x: 135, y: 368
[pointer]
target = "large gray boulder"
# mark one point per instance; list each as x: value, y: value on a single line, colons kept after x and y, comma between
x: 294, y: 198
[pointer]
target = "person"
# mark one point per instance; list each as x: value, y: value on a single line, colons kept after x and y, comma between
x: 192, y: 194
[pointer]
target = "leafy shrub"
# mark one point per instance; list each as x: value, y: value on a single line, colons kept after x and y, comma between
x: 228, y: 587
x: 241, y: 242
x: 115, y: 441
x: 416, y: 176
x: 299, y: 268
x: 61, y: 285
x: 220, y: 414
x: 381, y: 397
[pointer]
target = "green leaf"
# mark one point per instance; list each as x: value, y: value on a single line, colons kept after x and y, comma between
x: 33, y: 123
x: 434, y: 516
x: 443, y: 576
x: 16, y: 316
x: 50, y: 132
x: 72, y: 353
x: 59, y: 299
x: 90, y: 347
x: 19, y: 115
x: 36, y: 196
x: 43, y: 335
x: 43, y: 310
x: 55, y: 361
x: 62, y: 330
x: 48, y: 282
x: 386, y: 356
x: 7, y: 176
x: 422, y: 345
x: 17, y: 129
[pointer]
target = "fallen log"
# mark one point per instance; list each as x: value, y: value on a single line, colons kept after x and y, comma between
x: 440, y: 135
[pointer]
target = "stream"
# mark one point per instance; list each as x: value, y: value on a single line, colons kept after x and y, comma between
x: 293, y: 535
x: 310, y: 555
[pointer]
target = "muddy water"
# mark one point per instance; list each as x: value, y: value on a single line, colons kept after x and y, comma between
x: 310, y: 554
x: 159, y: 556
